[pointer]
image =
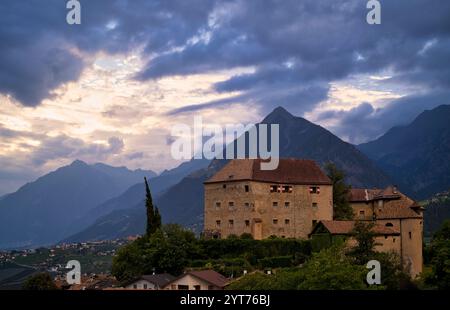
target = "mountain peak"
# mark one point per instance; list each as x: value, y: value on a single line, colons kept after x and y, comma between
x: 277, y: 115
x: 78, y: 163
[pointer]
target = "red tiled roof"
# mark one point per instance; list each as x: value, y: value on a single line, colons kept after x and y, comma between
x: 395, y: 205
x: 401, y: 208
x: 365, y: 194
x: 345, y: 227
x: 290, y: 171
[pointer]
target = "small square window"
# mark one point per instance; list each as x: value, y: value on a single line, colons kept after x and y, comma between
x: 231, y: 205
x: 224, y: 186
x: 314, y: 190
x: 410, y: 235
x: 287, y: 204
x: 287, y: 221
x: 247, y: 223
x: 275, y: 204
x: 275, y: 221
x: 287, y: 189
x: 247, y: 188
x: 314, y: 204
x: 218, y: 223
x: 231, y: 223
x: 218, y: 205
x: 273, y: 188
x: 246, y: 205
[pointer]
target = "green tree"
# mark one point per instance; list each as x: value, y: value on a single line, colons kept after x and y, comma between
x: 153, y: 216
x: 341, y: 207
x: 326, y: 270
x: 168, y: 249
x: 40, y: 282
x: 330, y: 269
x: 129, y: 262
x: 393, y: 274
x: 363, y: 251
x: 439, y: 276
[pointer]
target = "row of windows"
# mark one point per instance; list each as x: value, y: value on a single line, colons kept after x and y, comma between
x: 247, y: 222
x: 275, y: 204
x: 281, y: 188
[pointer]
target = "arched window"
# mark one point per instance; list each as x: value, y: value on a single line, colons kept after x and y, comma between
x: 389, y: 225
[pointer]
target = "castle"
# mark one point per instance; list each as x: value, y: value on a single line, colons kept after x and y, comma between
x: 296, y: 201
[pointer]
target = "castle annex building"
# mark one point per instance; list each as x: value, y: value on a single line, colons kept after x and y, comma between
x: 286, y: 202
x: 296, y: 201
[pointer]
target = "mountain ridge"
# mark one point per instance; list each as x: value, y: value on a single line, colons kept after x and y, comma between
x: 41, y: 212
x: 416, y: 155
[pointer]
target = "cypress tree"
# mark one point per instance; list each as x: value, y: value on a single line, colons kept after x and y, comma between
x: 341, y: 206
x: 157, y: 218
x: 151, y: 220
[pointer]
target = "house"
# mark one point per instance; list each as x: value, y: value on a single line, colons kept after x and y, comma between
x: 198, y: 280
x: 326, y: 233
x: 285, y: 202
x: 150, y: 282
x: 398, y: 224
x: 391, y: 208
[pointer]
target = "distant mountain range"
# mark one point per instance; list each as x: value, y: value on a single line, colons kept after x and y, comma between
x: 416, y: 156
x: 183, y: 203
x: 95, y: 202
x: 42, y: 212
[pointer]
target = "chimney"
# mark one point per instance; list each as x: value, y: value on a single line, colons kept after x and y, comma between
x: 394, y: 189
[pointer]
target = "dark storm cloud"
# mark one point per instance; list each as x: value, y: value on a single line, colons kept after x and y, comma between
x: 304, y: 43
x: 37, y: 45
x: 296, y: 47
x: 297, y: 99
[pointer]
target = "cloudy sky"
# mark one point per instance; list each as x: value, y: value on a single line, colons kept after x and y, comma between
x: 110, y: 89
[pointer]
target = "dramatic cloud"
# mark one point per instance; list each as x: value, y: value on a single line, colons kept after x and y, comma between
x: 363, y: 121
x: 110, y: 88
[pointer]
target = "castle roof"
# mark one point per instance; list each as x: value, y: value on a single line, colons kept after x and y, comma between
x: 366, y: 194
x: 289, y: 171
x: 346, y: 227
x: 396, y: 205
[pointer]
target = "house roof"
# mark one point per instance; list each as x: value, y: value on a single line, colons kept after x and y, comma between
x: 402, y: 208
x: 366, y: 194
x: 396, y: 204
x: 345, y: 228
x: 290, y: 171
x: 209, y: 276
x: 159, y: 280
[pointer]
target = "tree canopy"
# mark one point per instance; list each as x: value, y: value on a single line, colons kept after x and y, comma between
x: 439, y: 276
x: 40, y: 282
x: 341, y: 207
